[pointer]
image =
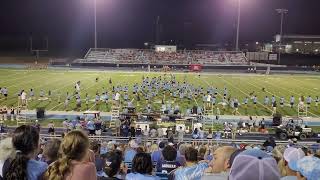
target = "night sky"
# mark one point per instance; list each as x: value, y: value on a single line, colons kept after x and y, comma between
x: 129, y: 23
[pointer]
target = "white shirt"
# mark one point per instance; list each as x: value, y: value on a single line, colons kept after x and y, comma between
x: 160, y: 132
x: 153, y: 132
x: 117, y: 97
x: 209, y: 98
x: 180, y: 133
x: 23, y: 95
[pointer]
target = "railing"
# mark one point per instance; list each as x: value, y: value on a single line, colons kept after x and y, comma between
x: 185, y: 140
x: 133, y: 56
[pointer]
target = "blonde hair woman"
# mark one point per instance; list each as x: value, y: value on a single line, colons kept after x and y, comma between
x: 7, y: 151
x: 73, y: 164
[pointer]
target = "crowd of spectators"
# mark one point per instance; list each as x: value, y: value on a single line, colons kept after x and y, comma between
x: 25, y: 155
x: 153, y: 57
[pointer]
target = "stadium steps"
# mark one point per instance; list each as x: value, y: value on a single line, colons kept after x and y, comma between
x: 115, y: 114
x: 207, y: 118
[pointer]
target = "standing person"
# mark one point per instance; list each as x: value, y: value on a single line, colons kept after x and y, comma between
x: 195, y: 134
x: 281, y: 101
x: 49, y: 95
x: 245, y: 102
x: 87, y: 101
x: 117, y: 124
x: 23, y: 97
x: 273, y: 99
x: 262, y: 124
x: 31, y: 94
x: 235, y: 105
x: 41, y: 94
x: 160, y: 133
x: 274, y: 107
x: 23, y: 166
x: 317, y: 101
x: 51, y: 128
x: 180, y: 134
x: 66, y: 102
x: 117, y: 98
x: 255, y: 100
x: 91, y: 128
x: 97, y: 100
x: 5, y: 93
x: 234, y: 128
x: 309, y: 100
x: 291, y: 101
x: 73, y: 164
x: 201, y: 133
x: 12, y: 116
x: 266, y: 101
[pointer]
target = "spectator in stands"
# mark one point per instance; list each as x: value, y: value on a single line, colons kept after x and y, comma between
x: 99, y: 161
x: 7, y: 152
x: 51, y: 128
x: 192, y: 169
x: 141, y: 168
x: 25, y: 140
x: 51, y: 151
x: 113, y: 166
x: 219, y: 166
x: 72, y: 164
x: 156, y: 156
x: 291, y: 154
x: 307, y: 168
x: 277, y: 152
x: 91, y: 127
x: 168, y: 163
x: 195, y: 134
x: 131, y: 151
x: 181, y: 154
x: 254, y: 164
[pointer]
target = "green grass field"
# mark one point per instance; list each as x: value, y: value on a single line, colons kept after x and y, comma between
x: 239, y: 86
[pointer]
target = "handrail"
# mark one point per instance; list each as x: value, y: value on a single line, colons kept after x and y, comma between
x: 186, y: 140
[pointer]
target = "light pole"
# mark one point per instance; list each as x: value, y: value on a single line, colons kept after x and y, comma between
x: 95, y: 24
x: 282, y: 12
x: 238, y: 25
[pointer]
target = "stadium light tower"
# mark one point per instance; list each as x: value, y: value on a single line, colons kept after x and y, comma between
x: 95, y: 23
x: 282, y: 12
x: 238, y: 25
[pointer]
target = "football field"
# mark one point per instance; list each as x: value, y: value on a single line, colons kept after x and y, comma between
x: 239, y: 86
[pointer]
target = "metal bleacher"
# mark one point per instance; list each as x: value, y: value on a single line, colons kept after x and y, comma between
x: 143, y: 56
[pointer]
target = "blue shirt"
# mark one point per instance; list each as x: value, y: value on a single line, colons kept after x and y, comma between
x: 35, y: 169
x: 90, y: 125
x: 194, y: 172
x: 129, y: 155
x: 137, y: 176
x: 156, y: 156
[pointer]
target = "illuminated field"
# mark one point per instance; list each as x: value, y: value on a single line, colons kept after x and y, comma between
x: 238, y: 85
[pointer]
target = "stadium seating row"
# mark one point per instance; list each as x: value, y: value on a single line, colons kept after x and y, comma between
x: 133, y: 56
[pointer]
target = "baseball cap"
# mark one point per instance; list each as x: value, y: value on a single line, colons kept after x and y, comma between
x: 254, y: 164
x: 293, y: 154
x: 308, y: 166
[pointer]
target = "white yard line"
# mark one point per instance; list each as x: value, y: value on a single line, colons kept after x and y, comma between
x: 246, y: 94
x: 89, y: 87
x: 301, y: 87
x: 279, y: 97
x: 217, y: 91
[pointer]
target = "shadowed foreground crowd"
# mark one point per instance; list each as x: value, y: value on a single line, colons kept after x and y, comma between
x: 24, y: 155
